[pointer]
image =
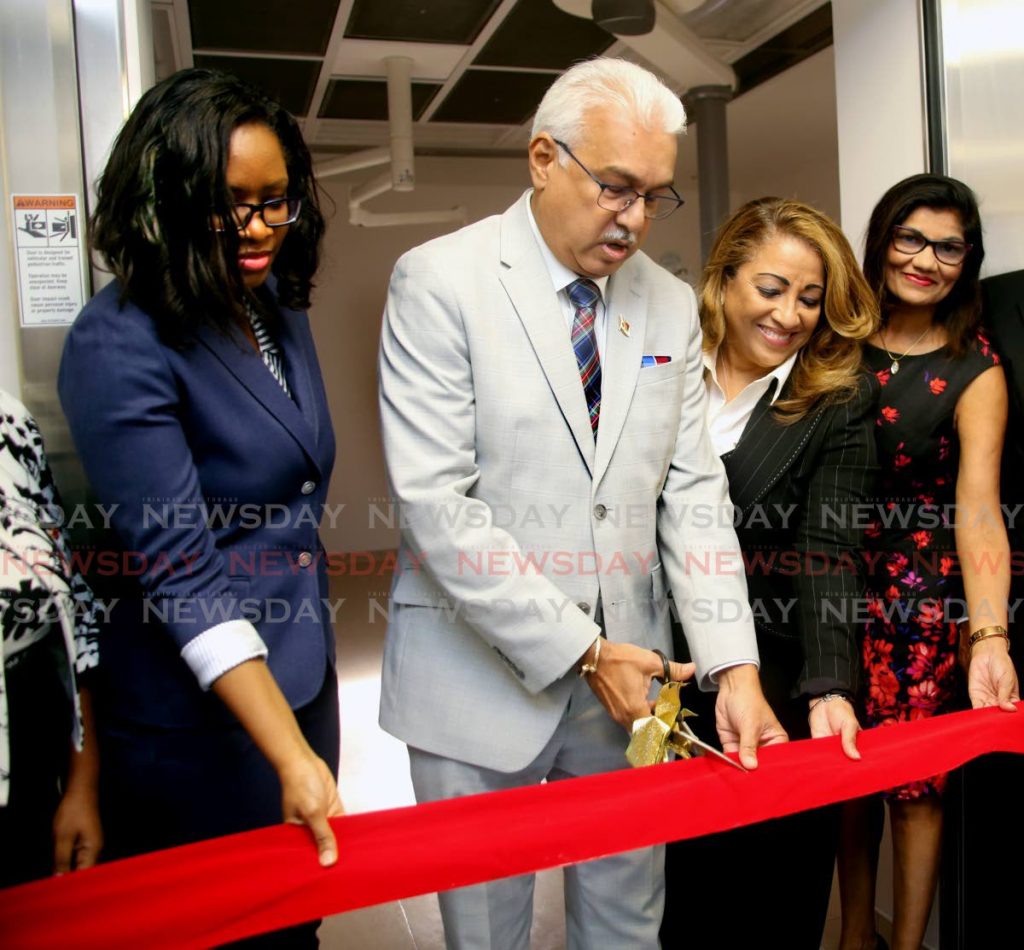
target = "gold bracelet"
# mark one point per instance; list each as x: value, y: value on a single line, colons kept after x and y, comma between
x: 995, y: 630
x: 587, y: 668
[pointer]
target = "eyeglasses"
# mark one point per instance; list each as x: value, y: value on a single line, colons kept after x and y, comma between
x: 274, y: 213
x: 617, y: 198
x: 909, y: 241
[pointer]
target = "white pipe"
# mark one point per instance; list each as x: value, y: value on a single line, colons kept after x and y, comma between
x: 366, y: 158
x: 403, y: 174
x: 369, y: 189
x: 372, y: 219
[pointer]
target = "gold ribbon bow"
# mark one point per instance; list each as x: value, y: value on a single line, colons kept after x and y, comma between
x: 654, y: 737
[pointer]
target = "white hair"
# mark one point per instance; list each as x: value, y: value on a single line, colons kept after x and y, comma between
x: 606, y: 82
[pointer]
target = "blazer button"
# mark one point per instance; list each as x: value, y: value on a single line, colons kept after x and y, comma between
x: 600, y: 512
x: 308, y: 488
x: 585, y: 607
x: 305, y: 559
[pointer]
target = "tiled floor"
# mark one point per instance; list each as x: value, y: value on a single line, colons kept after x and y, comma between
x: 374, y: 775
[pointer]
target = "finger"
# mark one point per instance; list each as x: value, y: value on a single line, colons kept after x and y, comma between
x: 326, y: 844
x: 848, y: 731
x: 749, y: 737
x: 1006, y: 689
x: 85, y: 855
x: 682, y: 672
x: 62, y: 848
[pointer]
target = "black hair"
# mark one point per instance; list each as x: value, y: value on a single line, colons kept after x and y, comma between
x: 960, y: 312
x: 163, y: 182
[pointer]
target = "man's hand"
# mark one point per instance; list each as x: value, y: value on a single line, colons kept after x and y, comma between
x: 835, y: 717
x: 991, y: 678
x: 742, y: 715
x: 622, y: 682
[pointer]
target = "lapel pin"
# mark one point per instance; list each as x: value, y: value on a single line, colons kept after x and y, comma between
x: 623, y: 325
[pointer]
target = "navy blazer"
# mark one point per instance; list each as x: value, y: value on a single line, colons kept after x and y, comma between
x: 219, y: 480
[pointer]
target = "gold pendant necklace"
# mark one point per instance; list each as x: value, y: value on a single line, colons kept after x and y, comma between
x: 894, y: 367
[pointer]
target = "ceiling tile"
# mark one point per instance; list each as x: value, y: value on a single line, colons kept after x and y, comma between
x: 793, y: 45
x: 262, y: 26
x: 368, y: 99
x: 494, y: 97
x: 289, y: 81
x: 539, y: 35
x: 420, y: 21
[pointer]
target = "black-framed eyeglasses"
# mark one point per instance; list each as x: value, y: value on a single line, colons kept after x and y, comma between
x: 911, y: 241
x: 617, y: 198
x: 274, y: 213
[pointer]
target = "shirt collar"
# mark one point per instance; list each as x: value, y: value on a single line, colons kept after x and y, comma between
x: 561, y: 276
x: 780, y: 374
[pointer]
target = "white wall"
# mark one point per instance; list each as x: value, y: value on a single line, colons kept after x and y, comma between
x: 879, y: 103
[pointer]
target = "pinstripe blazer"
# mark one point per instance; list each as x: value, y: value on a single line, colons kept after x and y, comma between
x: 797, y: 488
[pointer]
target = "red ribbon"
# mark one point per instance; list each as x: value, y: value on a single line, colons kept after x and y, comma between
x: 228, y: 888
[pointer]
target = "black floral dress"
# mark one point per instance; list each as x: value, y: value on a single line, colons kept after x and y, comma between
x: 915, y: 593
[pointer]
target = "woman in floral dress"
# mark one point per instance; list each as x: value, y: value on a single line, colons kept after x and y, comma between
x: 936, y: 550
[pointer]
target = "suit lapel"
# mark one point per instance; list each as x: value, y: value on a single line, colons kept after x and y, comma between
x: 528, y: 285
x: 626, y: 315
x: 247, y: 367
x: 765, y: 452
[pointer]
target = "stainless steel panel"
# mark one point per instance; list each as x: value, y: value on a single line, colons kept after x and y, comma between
x: 983, y: 50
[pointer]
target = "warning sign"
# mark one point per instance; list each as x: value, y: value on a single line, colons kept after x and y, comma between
x: 47, y: 236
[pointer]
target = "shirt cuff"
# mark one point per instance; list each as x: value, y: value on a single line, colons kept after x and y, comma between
x: 222, y: 648
x: 716, y: 671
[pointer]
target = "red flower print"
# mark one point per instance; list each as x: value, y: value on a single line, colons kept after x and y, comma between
x: 929, y: 613
x: 890, y: 414
x: 883, y: 687
x: 901, y: 460
x: 896, y: 565
x: 922, y: 539
x: 893, y: 593
x: 924, y: 695
x: 883, y: 376
x: 922, y: 655
x: 945, y: 565
x: 873, y: 530
x: 937, y: 385
x: 943, y: 451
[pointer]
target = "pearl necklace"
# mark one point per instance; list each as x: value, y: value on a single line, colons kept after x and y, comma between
x: 895, y: 365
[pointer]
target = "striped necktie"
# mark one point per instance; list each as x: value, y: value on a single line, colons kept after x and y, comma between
x: 269, y: 350
x: 584, y: 296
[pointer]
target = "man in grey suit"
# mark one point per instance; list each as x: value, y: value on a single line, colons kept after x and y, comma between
x: 543, y: 420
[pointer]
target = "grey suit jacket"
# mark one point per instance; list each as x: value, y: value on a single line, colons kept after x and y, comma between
x: 517, y: 529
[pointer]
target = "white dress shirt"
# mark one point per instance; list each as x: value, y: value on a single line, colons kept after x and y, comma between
x: 561, y: 277
x: 727, y: 420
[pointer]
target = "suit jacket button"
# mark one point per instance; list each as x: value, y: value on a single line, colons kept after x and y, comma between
x: 585, y: 607
x: 308, y: 488
x: 305, y: 559
x: 600, y: 512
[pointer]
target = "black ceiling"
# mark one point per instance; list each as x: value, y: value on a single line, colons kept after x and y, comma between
x: 286, y: 43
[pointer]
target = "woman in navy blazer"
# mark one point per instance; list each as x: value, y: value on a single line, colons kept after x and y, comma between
x: 195, y: 400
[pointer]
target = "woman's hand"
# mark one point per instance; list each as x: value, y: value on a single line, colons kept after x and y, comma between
x: 991, y: 678
x: 309, y: 796
x: 77, y: 832
x: 835, y: 717
x: 309, y: 793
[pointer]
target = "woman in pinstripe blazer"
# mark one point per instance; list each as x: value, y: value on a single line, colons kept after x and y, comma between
x: 785, y: 308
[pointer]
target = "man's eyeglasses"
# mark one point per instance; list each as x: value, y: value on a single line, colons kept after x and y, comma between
x: 617, y: 198
x: 910, y: 241
x: 274, y: 213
